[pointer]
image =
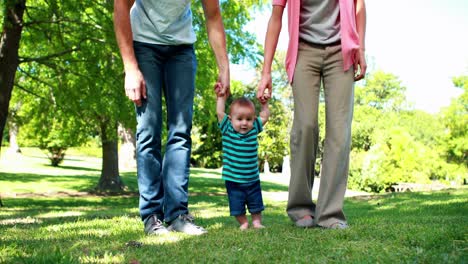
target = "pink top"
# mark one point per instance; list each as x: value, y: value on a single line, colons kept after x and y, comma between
x: 348, y: 32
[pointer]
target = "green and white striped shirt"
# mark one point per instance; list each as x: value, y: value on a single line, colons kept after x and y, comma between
x: 240, y: 152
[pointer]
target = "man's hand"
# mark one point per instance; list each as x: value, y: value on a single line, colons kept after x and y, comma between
x: 264, y: 88
x: 223, y: 84
x: 360, y: 65
x: 135, y: 86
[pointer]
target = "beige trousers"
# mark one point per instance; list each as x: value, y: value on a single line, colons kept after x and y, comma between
x: 317, y: 65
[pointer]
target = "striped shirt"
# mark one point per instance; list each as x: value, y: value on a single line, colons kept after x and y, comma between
x: 240, y: 152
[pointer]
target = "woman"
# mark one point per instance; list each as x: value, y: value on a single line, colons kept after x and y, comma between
x: 326, y: 46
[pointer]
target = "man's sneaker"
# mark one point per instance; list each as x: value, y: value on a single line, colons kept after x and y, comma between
x: 154, y: 226
x: 185, y: 224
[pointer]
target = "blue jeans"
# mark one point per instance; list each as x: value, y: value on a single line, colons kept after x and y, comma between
x: 163, y: 181
x: 242, y: 194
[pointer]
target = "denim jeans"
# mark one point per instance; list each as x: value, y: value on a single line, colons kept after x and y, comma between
x: 242, y: 194
x: 163, y: 181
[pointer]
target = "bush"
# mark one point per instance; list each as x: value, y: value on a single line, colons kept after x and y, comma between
x: 397, y: 157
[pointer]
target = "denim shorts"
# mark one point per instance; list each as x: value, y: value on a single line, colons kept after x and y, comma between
x: 242, y: 194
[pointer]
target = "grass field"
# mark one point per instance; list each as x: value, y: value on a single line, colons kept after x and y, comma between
x: 49, y: 217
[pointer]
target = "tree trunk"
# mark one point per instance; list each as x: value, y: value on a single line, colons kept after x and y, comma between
x: 13, y: 132
x: 127, y: 153
x: 9, y: 45
x: 110, y: 179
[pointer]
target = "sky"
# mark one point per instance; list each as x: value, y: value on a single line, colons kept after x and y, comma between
x: 423, y: 42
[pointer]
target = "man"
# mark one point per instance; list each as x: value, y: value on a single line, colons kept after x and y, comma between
x: 156, y: 43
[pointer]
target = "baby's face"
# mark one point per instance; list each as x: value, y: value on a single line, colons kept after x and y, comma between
x: 242, y: 119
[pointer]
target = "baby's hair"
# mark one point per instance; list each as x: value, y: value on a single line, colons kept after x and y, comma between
x: 243, y: 102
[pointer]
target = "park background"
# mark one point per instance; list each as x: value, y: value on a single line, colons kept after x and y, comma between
x: 62, y: 103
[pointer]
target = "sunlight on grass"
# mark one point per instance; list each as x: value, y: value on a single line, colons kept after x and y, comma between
x: 106, y: 258
x: 50, y: 218
x: 26, y: 220
x: 164, y: 239
x: 56, y: 214
x: 34, y: 160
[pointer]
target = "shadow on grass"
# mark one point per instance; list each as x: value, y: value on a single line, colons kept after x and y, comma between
x: 199, y: 171
x: 75, y: 168
x: 382, y: 227
x: 200, y: 181
x: 86, y: 182
x: 416, y: 203
x: 45, y: 157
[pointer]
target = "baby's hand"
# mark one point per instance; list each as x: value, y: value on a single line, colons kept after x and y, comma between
x: 220, y: 92
x: 218, y: 89
x: 265, y: 97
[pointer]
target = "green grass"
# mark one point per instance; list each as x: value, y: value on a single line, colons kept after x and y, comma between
x: 47, y: 219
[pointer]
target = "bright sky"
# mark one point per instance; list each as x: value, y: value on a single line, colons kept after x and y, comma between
x: 423, y: 42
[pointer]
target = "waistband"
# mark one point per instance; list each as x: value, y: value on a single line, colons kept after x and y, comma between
x: 320, y: 46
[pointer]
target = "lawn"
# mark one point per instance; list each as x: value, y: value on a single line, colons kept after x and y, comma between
x: 49, y: 217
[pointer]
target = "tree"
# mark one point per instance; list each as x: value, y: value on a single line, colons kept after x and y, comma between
x: 274, y: 140
x: 12, y: 26
x: 87, y: 81
x: 83, y: 84
x: 455, y: 119
x: 395, y: 157
x: 392, y: 144
x: 381, y: 95
x: 382, y: 91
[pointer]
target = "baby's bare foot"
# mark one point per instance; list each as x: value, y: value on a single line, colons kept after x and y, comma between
x: 244, y: 226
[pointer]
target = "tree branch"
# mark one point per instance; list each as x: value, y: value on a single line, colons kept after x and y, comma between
x: 50, y: 56
x: 56, y: 21
x: 35, y: 78
x: 31, y: 92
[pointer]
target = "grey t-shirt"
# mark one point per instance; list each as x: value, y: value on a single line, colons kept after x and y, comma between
x: 165, y: 22
x: 319, y: 21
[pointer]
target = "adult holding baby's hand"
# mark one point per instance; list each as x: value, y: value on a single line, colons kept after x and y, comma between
x: 326, y: 46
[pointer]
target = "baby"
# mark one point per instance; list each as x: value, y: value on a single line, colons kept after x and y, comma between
x: 240, y: 158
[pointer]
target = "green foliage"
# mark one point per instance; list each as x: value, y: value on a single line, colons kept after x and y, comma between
x: 366, y: 120
x: 207, y: 141
x: 46, y: 125
x: 68, y: 75
x: 391, y: 144
x: 423, y: 127
x: 274, y: 140
x: 3, y: 12
x: 455, y: 120
x: 396, y: 157
x: 382, y: 91
x: 69, y: 87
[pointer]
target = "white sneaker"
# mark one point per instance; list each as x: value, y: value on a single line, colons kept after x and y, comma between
x: 185, y: 224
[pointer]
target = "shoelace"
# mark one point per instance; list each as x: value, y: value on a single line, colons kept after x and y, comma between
x: 158, y: 223
x: 188, y: 218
